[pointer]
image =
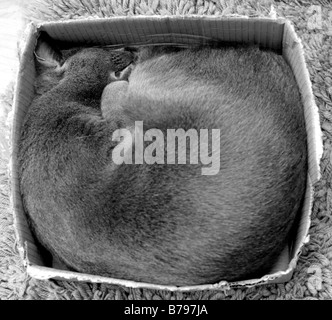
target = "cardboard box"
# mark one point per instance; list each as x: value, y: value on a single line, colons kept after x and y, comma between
x: 277, y: 34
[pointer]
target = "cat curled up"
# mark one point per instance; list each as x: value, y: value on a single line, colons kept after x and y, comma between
x: 164, y: 223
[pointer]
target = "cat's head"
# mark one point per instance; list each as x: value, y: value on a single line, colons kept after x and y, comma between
x: 52, y: 65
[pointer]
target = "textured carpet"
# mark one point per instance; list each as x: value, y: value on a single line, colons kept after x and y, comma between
x: 312, y: 278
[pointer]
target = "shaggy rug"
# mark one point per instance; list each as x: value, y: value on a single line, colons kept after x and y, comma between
x: 312, y: 278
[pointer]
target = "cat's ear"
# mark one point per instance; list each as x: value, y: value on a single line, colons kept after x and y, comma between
x: 47, y: 56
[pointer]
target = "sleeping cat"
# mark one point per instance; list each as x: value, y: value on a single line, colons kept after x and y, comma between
x: 164, y: 223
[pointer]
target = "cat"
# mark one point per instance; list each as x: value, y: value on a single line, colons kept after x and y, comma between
x: 164, y: 223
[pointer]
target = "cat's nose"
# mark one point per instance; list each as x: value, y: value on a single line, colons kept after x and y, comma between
x: 122, y: 75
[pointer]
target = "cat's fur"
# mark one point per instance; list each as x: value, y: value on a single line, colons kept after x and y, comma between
x: 166, y: 224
